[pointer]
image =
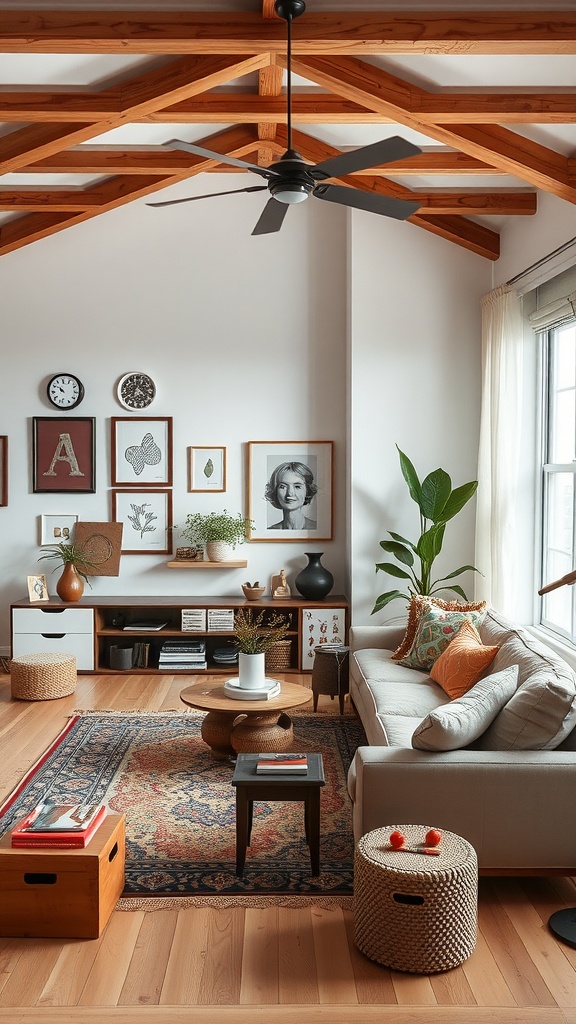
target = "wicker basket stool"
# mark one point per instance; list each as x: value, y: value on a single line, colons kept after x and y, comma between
x: 330, y: 672
x: 415, y: 912
x: 43, y: 676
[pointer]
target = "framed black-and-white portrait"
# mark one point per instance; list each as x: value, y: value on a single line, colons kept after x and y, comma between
x: 290, y: 490
x: 141, y: 451
x: 147, y: 521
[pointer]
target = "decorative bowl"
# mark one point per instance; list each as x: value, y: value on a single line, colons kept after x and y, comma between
x: 252, y: 593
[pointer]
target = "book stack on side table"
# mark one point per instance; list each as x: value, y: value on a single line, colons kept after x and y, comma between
x: 282, y: 764
x: 59, y: 825
x: 182, y: 654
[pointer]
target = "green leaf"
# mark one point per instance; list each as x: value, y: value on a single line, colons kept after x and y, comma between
x: 455, y: 590
x: 459, y: 497
x: 393, y: 570
x: 403, y: 554
x: 430, y: 543
x: 458, y: 572
x: 436, y: 490
x: 411, y: 477
x: 384, y: 599
x: 402, y: 540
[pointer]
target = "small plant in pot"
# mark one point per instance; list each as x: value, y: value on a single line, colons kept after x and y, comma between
x: 254, y: 635
x: 77, y: 564
x: 219, y: 532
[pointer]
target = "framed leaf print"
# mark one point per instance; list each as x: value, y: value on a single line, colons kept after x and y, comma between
x: 207, y: 469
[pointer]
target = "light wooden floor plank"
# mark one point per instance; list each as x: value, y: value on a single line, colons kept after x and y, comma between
x: 106, y: 979
x: 221, y: 979
x: 147, y: 969
x: 259, y: 973
x: 30, y: 972
x: 188, y: 954
x: 65, y: 984
x: 296, y: 956
x: 373, y: 981
x: 336, y: 980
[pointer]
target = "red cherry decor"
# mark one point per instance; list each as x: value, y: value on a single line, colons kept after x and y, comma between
x: 397, y: 840
x: 433, y: 837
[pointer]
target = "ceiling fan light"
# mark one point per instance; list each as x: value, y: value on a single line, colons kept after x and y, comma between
x: 290, y: 189
x: 291, y: 196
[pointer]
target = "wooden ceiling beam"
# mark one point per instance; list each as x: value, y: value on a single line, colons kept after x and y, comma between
x: 509, y: 152
x: 140, y: 96
x: 158, y: 160
x: 339, y: 33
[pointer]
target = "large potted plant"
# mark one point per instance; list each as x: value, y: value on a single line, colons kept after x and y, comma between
x: 254, y: 635
x: 77, y: 564
x: 219, y: 532
x: 438, y: 503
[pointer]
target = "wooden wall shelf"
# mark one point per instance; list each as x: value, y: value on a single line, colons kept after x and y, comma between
x: 191, y: 563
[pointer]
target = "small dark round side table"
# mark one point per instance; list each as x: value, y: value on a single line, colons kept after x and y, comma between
x: 330, y: 673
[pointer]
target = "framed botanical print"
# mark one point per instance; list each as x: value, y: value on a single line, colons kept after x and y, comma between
x: 290, y: 490
x: 141, y: 451
x: 63, y: 454
x: 147, y: 521
x: 207, y: 469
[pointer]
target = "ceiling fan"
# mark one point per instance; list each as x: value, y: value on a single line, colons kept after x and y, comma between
x: 291, y: 180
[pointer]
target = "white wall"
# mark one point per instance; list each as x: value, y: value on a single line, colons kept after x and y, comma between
x: 415, y: 382
x: 245, y: 338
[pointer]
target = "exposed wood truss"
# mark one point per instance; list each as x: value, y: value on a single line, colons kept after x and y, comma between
x: 203, y: 53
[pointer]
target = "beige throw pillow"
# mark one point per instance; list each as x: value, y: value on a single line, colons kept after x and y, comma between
x: 456, y: 725
x: 539, y: 716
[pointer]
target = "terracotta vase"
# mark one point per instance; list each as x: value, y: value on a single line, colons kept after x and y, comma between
x: 70, y: 586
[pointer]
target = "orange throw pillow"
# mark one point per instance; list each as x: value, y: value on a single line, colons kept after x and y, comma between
x: 463, y: 662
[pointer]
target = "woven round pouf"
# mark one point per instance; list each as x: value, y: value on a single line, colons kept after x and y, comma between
x: 412, y: 911
x: 43, y: 676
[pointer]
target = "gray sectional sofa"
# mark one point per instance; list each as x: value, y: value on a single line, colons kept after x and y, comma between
x: 511, y: 791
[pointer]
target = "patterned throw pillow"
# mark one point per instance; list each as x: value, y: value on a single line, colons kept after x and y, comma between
x: 436, y: 627
x: 419, y: 605
x: 462, y: 663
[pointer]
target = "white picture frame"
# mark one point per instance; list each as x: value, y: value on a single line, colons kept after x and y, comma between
x: 307, y: 462
x: 320, y: 626
x: 206, y: 469
x: 57, y: 529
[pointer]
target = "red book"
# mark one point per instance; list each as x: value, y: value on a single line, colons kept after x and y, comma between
x: 23, y: 837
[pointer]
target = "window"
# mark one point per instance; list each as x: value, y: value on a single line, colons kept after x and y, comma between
x: 558, y: 608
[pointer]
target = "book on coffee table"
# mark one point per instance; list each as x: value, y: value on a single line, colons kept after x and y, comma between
x: 281, y: 764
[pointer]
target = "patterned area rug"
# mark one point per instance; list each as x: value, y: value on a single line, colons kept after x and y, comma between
x: 180, y: 805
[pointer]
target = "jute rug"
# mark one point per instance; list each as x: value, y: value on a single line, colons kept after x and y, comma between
x: 180, y: 806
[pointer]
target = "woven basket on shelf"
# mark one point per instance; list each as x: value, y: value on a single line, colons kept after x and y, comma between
x: 278, y: 658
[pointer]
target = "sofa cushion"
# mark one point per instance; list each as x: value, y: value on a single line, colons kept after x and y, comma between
x: 538, y: 716
x: 436, y: 627
x: 456, y: 725
x: 462, y: 663
x: 421, y: 603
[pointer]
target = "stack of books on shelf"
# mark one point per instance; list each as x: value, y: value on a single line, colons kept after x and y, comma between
x: 225, y: 655
x: 149, y: 626
x: 193, y: 620
x: 182, y: 654
x: 140, y: 655
x: 220, y: 620
x: 59, y: 825
x: 282, y: 764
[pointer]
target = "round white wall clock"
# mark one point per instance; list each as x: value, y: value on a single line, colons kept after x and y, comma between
x: 65, y: 391
x: 136, y: 390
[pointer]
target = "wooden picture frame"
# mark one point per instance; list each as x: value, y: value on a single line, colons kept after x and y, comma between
x: 146, y: 516
x: 304, y: 512
x: 141, y: 451
x: 64, y: 454
x: 3, y: 470
x: 206, y: 469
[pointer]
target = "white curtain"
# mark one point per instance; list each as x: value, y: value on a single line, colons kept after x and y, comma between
x: 499, y: 450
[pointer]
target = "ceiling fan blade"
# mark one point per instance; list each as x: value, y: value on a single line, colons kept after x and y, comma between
x: 372, y: 202
x: 210, y: 195
x: 271, y: 218
x: 383, y: 152
x: 223, y: 158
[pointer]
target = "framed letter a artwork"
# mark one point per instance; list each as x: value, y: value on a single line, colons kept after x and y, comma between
x: 63, y: 455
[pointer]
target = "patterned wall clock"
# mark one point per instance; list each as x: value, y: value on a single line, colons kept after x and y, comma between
x: 65, y: 391
x: 136, y: 390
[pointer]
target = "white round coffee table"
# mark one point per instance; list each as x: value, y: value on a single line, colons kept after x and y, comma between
x: 245, y: 726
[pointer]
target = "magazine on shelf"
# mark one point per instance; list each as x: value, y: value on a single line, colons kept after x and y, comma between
x: 146, y: 627
x: 26, y: 834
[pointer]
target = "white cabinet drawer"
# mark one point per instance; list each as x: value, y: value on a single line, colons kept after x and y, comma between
x: 44, y: 620
x: 80, y: 644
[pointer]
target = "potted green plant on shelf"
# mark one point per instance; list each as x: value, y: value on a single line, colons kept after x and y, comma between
x: 254, y: 635
x: 77, y: 565
x: 437, y: 504
x: 219, y: 532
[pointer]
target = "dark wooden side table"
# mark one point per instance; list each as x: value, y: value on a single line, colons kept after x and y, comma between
x: 251, y: 787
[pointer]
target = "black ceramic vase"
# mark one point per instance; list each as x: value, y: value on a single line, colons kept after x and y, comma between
x: 315, y: 581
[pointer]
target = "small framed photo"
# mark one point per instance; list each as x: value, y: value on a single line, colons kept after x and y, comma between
x: 141, y: 451
x: 290, y: 490
x: 37, y: 588
x: 3, y: 471
x: 206, y: 469
x: 63, y: 454
x: 147, y: 521
x: 57, y: 529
